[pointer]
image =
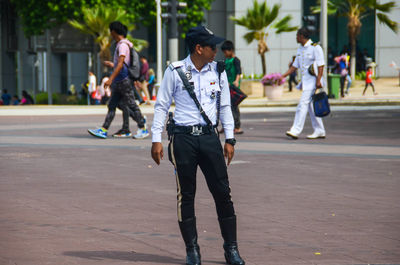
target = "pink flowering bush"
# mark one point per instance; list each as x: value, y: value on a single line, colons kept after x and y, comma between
x: 274, y: 79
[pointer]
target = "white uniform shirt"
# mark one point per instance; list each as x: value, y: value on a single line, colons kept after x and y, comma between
x: 206, y: 86
x: 306, y: 56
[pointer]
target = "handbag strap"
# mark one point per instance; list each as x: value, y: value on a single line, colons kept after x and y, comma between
x: 192, y: 94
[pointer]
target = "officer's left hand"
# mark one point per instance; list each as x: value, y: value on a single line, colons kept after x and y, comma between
x: 229, y: 151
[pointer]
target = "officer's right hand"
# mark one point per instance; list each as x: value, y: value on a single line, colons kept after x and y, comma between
x: 157, y: 152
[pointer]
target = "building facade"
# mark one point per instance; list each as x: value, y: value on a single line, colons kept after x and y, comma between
x: 23, y: 64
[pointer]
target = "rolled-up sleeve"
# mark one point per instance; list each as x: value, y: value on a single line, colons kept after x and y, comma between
x: 226, y: 112
x: 319, y: 56
x: 162, y: 105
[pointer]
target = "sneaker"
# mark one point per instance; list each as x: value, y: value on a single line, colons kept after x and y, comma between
x: 122, y: 134
x: 141, y: 134
x: 316, y: 136
x: 292, y: 135
x: 100, y: 132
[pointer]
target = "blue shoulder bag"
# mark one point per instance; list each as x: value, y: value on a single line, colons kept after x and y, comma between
x: 321, y: 104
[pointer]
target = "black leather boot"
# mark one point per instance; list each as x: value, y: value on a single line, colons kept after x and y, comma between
x: 189, y: 234
x: 228, y: 231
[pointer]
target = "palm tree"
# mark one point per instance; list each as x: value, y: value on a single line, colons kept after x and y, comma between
x: 355, y: 11
x: 96, y: 22
x: 258, y: 20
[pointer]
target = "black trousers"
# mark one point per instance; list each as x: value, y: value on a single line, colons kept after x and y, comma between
x: 292, y: 79
x: 122, y: 96
x: 236, y: 115
x: 187, y: 152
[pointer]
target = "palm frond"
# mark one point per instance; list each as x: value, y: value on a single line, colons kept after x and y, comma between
x: 138, y: 44
x: 384, y: 19
x: 250, y: 36
x: 387, y: 7
x: 283, y: 25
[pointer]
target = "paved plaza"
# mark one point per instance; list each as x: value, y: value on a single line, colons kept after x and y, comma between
x: 69, y: 198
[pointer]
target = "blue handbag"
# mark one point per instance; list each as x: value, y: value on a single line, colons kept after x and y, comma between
x: 321, y: 104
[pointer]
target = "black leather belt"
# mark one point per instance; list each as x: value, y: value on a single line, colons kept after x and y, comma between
x: 194, y: 130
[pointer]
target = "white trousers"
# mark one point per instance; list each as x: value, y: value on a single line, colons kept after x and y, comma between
x: 305, y: 105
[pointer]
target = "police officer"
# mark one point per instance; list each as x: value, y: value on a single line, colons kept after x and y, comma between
x: 310, y: 61
x: 194, y: 142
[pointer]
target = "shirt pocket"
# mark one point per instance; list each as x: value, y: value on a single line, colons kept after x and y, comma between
x: 212, y: 89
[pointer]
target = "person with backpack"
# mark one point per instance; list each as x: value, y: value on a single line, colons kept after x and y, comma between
x: 125, y: 66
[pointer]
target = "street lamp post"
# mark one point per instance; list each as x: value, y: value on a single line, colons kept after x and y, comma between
x: 324, y: 34
x: 159, y: 43
x: 48, y: 66
x: 173, y: 16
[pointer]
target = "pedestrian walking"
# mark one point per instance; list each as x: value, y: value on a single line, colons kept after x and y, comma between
x: 143, y: 80
x: 343, y: 63
x: 368, y: 81
x: 199, y: 92
x: 310, y: 61
x: 292, y: 76
x: 122, y: 88
x: 233, y: 71
x: 151, y: 83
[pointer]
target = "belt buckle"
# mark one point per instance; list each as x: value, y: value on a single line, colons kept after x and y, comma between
x: 197, y: 130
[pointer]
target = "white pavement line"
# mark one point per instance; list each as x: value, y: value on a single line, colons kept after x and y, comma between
x: 333, y: 109
x: 55, y: 125
x: 320, y: 148
x: 102, y: 110
x: 85, y: 141
x: 62, y: 110
x: 248, y: 146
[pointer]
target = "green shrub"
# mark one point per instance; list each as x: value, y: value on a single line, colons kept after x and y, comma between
x: 362, y: 75
x: 42, y: 98
x: 255, y: 77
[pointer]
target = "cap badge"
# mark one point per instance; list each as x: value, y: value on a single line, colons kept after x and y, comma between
x: 209, y: 31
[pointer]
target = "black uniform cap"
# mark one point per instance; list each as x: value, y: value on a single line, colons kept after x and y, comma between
x: 203, y: 36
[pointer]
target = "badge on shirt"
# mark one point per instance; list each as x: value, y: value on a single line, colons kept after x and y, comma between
x: 212, y: 96
x: 212, y: 83
x: 188, y: 72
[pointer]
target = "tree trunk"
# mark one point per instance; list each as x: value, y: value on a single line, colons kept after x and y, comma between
x: 353, y: 57
x: 263, y: 63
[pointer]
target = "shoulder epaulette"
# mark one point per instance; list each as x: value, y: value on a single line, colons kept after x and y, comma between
x: 175, y: 65
x: 315, y: 44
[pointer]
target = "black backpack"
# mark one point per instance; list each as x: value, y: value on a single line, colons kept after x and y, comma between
x: 134, y: 67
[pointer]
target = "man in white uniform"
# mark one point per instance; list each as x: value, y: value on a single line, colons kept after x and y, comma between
x: 195, y: 83
x: 310, y: 61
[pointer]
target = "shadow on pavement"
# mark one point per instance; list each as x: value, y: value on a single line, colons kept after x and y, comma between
x: 123, y: 255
